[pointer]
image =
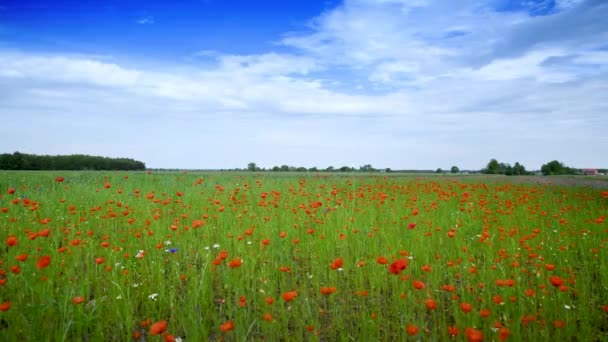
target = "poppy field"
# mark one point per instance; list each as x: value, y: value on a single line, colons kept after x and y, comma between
x: 149, y: 256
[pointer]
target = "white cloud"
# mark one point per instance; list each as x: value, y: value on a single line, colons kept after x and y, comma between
x: 145, y: 20
x: 64, y: 69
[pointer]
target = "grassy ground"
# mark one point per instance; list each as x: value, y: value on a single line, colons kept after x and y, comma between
x: 119, y: 256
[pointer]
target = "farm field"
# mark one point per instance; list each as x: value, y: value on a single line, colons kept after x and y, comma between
x: 89, y: 256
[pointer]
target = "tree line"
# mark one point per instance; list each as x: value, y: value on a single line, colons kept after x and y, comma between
x: 23, y: 161
x: 494, y: 167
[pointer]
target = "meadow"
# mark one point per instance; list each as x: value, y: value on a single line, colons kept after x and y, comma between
x: 91, y: 256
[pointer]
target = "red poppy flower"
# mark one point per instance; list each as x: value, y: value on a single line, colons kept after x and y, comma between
x: 398, y: 266
x: 337, y: 263
x: 382, y: 260
x: 11, y: 241
x: 289, y: 296
x: 466, y: 307
x: 5, y: 306
x: 43, y: 262
x: 78, y: 300
x: 158, y: 328
x: 556, y: 281
x: 430, y: 304
x: 412, y: 330
x: 59, y: 179
x: 473, y: 335
x: 234, y: 263
x: 327, y: 290
x: 227, y: 326
x: 418, y: 285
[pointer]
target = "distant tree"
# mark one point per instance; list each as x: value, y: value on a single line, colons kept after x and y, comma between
x: 439, y: 170
x: 330, y: 169
x: 555, y: 167
x: 301, y: 169
x: 252, y: 167
x: 454, y: 169
x: 495, y: 168
x: 276, y: 168
x: 388, y: 169
x: 284, y: 168
x: 366, y: 168
x: 345, y: 169
x: 313, y: 169
x: 519, y: 169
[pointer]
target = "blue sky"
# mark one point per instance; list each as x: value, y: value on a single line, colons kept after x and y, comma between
x: 405, y: 84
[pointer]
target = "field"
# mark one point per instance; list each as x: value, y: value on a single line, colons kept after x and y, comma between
x: 90, y: 256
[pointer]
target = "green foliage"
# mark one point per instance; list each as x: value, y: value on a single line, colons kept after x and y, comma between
x: 454, y: 169
x: 555, y: 167
x: 22, y: 161
x: 496, y: 168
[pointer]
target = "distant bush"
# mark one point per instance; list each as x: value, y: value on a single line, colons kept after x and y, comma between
x: 22, y: 161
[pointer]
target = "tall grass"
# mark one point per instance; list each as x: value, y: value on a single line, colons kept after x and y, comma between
x: 218, y: 255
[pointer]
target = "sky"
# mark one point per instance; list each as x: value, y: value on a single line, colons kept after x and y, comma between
x: 400, y: 84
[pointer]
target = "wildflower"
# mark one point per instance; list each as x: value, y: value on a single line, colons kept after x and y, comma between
x: 337, y: 263
x: 453, y: 330
x: 503, y: 333
x: 559, y: 324
x: 78, y: 300
x: 11, y: 241
x: 140, y: 254
x: 43, y: 262
x: 412, y: 330
x: 158, y: 328
x: 473, y: 335
x: 216, y: 246
x: 153, y: 296
x: 418, y: 285
x: 289, y: 296
x: 398, y: 266
x: 382, y: 260
x: 466, y: 307
x: 59, y: 179
x: 167, y: 243
x: 430, y: 304
x: 227, y: 326
x: 327, y: 290
x: 235, y: 263
x: 171, y: 250
x: 21, y: 257
x: 5, y: 306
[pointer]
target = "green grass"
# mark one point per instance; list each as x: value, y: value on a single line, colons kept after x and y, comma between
x: 288, y: 230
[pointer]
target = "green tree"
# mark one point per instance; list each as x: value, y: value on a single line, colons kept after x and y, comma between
x: 555, y: 167
x: 519, y: 169
x: 252, y: 167
x: 439, y: 170
x: 454, y: 169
